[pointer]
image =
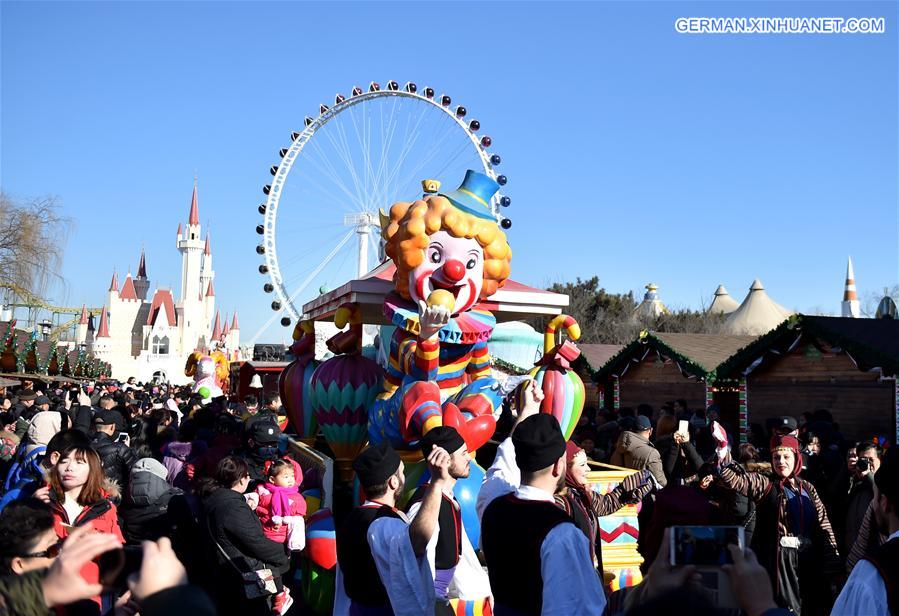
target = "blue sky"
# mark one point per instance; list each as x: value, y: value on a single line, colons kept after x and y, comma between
x: 633, y: 152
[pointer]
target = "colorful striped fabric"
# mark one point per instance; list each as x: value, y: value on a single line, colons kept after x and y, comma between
x: 479, y: 607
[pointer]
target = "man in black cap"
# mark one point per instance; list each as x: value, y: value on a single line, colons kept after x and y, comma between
x: 115, y: 454
x: 24, y: 410
x: 786, y: 426
x: 635, y: 450
x: 382, y: 570
x: 450, y: 553
x: 537, y: 558
x: 261, y: 446
x: 42, y: 403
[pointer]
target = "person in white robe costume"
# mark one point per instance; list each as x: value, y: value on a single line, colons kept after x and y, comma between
x: 382, y: 568
x: 458, y: 573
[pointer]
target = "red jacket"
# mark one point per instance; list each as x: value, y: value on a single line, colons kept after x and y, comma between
x: 102, y: 516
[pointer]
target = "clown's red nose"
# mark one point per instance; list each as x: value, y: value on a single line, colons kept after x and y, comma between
x: 453, y: 270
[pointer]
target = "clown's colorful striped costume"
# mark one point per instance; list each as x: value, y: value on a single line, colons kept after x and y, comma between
x: 422, y: 375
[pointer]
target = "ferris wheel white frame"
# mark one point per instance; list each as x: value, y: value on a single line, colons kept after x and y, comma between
x: 290, y: 155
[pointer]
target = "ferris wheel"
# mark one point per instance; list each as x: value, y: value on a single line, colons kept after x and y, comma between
x: 358, y: 156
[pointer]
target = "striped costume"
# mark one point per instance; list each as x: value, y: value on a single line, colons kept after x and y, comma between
x: 423, y: 375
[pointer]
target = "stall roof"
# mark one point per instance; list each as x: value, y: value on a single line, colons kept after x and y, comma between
x: 872, y: 343
x: 697, y: 354
x: 597, y: 355
x: 512, y: 302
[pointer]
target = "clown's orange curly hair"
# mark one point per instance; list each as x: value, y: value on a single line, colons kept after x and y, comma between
x: 412, y: 223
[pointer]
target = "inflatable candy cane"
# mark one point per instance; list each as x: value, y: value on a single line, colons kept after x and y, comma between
x: 563, y: 389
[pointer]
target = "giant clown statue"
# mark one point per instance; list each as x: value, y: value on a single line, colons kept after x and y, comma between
x: 449, y: 253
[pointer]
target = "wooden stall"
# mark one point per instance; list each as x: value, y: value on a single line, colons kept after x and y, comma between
x: 661, y: 367
x: 847, y: 366
x: 593, y: 357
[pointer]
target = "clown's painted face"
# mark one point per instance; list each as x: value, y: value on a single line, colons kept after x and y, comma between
x: 455, y: 264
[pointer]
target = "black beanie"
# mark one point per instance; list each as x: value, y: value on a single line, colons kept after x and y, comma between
x: 376, y: 464
x: 446, y: 437
x: 538, y: 442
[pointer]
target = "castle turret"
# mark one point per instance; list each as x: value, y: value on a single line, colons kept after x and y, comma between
x: 206, y: 272
x: 851, y: 307
x: 209, y: 302
x: 234, y: 336
x: 102, y: 345
x: 191, y: 305
x: 216, y: 329
x: 142, y: 283
x: 81, y: 328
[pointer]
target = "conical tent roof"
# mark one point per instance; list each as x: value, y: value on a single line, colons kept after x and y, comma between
x: 723, y: 302
x: 757, y: 315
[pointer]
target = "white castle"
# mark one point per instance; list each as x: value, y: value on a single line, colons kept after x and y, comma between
x: 152, y: 338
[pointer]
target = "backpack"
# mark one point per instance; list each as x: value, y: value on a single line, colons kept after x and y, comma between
x: 23, y: 474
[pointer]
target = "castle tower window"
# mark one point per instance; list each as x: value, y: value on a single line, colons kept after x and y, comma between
x: 160, y: 345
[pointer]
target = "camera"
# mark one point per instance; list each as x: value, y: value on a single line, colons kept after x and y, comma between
x: 863, y: 465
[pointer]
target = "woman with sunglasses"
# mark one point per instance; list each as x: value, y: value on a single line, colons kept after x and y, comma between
x: 28, y: 541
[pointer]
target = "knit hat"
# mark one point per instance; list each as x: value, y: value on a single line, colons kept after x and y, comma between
x: 538, y: 442
x: 150, y: 465
x: 44, y: 426
x: 442, y: 436
x: 789, y: 443
x: 376, y: 464
x: 642, y: 423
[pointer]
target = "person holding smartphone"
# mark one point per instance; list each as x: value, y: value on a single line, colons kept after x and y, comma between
x: 793, y: 537
x: 116, y: 455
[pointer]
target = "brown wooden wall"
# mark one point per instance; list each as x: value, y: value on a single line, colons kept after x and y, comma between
x: 591, y: 391
x: 655, y: 383
x: 807, y: 379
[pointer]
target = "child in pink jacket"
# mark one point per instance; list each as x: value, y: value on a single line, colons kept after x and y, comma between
x: 281, y: 508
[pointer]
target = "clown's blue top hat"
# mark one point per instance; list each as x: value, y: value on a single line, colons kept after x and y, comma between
x: 473, y: 197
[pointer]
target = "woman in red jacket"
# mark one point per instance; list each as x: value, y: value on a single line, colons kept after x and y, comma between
x: 77, y: 498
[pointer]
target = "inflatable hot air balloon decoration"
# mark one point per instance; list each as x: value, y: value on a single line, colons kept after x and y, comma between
x: 294, y: 382
x: 343, y: 388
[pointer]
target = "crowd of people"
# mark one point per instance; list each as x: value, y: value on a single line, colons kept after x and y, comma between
x: 127, y: 498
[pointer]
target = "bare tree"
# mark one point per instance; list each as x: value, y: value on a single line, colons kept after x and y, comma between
x: 871, y: 300
x: 33, y: 234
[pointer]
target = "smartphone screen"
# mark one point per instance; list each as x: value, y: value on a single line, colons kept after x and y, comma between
x: 704, y: 546
x: 683, y: 426
x: 111, y: 564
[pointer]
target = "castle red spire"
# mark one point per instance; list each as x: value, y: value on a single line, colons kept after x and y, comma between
x: 217, y: 328
x: 142, y: 268
x: 103, y: 330
x: 234, y: 322
x: 194, y: 217
x: 179, y: 229
x: 210, y: 290
x: 114, y: 285
x: 83, y: 319
x: 207, y: 251
x: 128, y: 291
x: 227, y: 326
